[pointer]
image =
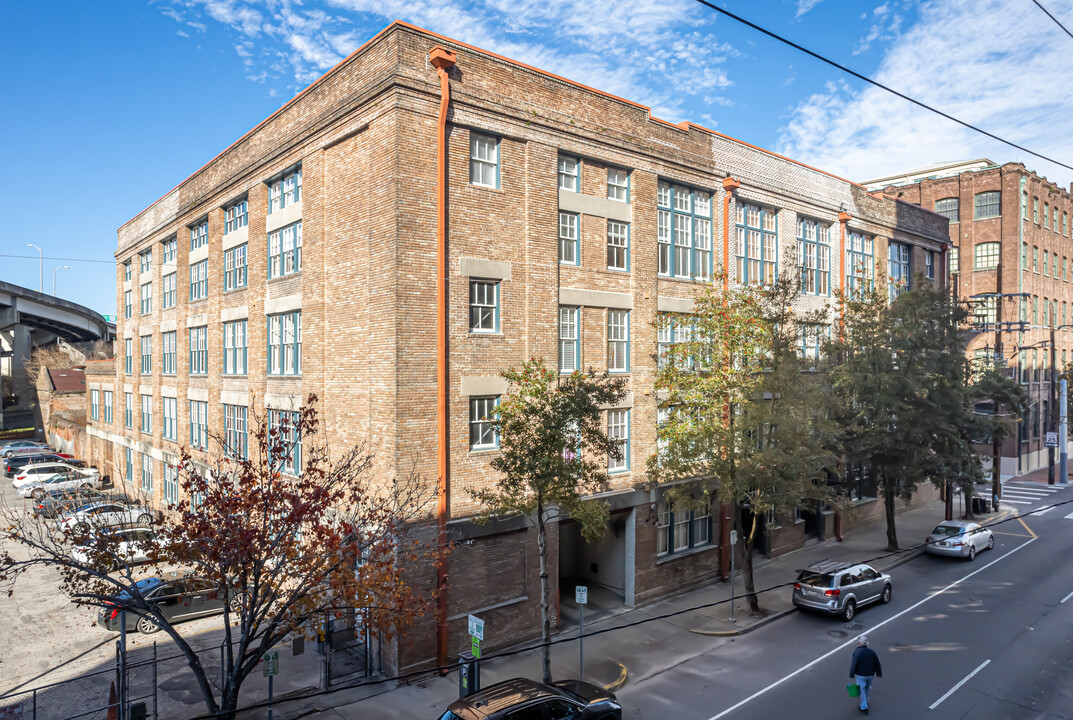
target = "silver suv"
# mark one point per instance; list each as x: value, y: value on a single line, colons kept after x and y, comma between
x: 839, y: 588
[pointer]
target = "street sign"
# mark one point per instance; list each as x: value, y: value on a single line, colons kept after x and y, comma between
x: 475, y: 648
x: 581, y: 595
x: 1051, y: 440
x: 733, y: 537
x: 476, y: 627
x: 271, y: 663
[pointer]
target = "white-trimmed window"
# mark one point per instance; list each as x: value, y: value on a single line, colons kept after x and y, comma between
x: 169, y: 412
x: 483, y: 306
x: 235, y: 268
x: 236, y: 216
x: 168, y: 343
x: 985, y: 311
x: 169, y: 291
x: 126, y: 270
x: 108, y: 406
x: 756, y: 249
x: 285, y: 190
x: 285, y: 250
x: 569, y: 173
x: 199, y: 235
x: 898, y: 267
x: 199, y: 424
x: 235, y: 348
x: 618, y: 340
x: 684, y: 231
x: 949, y: 208
x: 955, y: 260
x: 128, y: 304
x: 569, y: 339
x: 236, y: 438
x: 147, y: 413
x: 95, y: 404
x: 929, y: 264
x: 672, y: 330
x: 147, y: 354
x: 147, y: 474
x: 171, y: 480
x: 860, y: 263
x: 482, y: 415
x: 128, y: 356
x: 147, y: 298
x: 130, y: 466
x: 286, y: 426
x: 568, y: 238
x: 146, y: 260
x: 199, y: 352
x: 285, y: 343
x: 618, y: 430
x: 169, y: 247
x: 128, y: 410
x: 618, y: 185
x: 682, y: 530
x: 199, y: 280
x: 618, y: 245
x: 483, y: 160
x: 988, y: 204
x: 812, y: 338
x: 814, y: 254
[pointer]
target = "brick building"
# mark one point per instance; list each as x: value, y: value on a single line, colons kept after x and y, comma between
x: 304, y: 258
x: 1013, y: 259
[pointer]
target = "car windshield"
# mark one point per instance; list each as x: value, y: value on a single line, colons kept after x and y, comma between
x: 946, y: 530
x: 808, y: 577
x: 145, y: 585
x: 450, y: 716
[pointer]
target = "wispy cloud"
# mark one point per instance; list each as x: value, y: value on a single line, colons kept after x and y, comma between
x: 803, y: 6
x: 1004, y: 72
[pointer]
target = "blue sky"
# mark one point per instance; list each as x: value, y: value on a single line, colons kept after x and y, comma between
x: 112, y: 103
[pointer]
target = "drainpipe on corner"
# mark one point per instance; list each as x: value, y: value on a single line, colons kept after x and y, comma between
x: 443, y: 60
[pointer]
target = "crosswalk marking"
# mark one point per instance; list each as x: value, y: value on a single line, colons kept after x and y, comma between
x: 1005, y: 500
x: 1069, y: 516
x: 1024, y: 496
x: 1037, y: 513
x: 1035, y: 487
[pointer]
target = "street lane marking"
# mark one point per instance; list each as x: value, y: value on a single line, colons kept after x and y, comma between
x: 1006, y: 501
x: 1026, y: 527
x: 964, y: 680
x: 853, y: 641
x: 1024, y: 493
x: 1067, y: 597
x: 1042, y: 511
x: 1069, y: 516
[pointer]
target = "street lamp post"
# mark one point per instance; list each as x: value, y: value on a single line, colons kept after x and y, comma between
x: 41, y: 267
x: 57, y: 268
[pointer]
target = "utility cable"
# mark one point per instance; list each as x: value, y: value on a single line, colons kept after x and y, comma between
x: 31, y: 257
x: 880, y: 85
x: 1052, y: 17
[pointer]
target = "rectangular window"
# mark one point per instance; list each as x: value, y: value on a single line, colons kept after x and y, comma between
x: 146, y: 259
x: 169, y: 291
x: 235, y: 436
x: 285, y: 344
x: 128, y: 356
x: 171, y: 480
x: 126, y: 270
x: 169, y: 248
x: 814, y: 256
x: 128, y: 409
x: 147, y: 298
x: 236, y: 216
x: 199, y: 424
x: 569, y: 177
x: 147, y: 413
x: 1046, y: 215
x: 756, y: 248
x: 285, y: 250
x: 618, y: 431
x: 147, y: 354
x: 618, y: 185
x: 199, y: 280
x: 986, y: 256
x: 684, y: 232
x: 170, y: 418
x: 569, y: 340
x: 1035, y: 210
x: 948, y: 207
x: 898, y: 267
x: 1035, y: 259
x: 812, y: 339
x: 95, y: 404
x: 618, y: 340
x: 168, y: 343
x: 108, y: 406
x: 199, y: 235
x: 235, y: 268
x: 985, y: 312
x: 199, y: 353
x: 569, y: 253
x: 1035, y: 310
x: 130, y: 466
x: 483, y: 306
x: 929, y: 264
x: 482, y: 415
x: 860, y: 263
x: 128, y: 304
x: 987, y: 205
x: 955, y: 259
x: 618, y: 245
x: 147, y: 474
x: 285, y: 190
x: 285, y: 424
x: 1065, y: 224
x: 483, y: 160
x: 1046, y: 262
x: 235, y: 348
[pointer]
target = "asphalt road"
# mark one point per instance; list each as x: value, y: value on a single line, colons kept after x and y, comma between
x: 987, y: 639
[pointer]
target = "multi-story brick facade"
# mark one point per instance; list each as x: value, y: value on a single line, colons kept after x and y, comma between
x: 1010, y: 230
x: 573, y: 219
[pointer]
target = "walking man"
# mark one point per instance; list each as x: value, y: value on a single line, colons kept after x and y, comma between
x: 864, y: 668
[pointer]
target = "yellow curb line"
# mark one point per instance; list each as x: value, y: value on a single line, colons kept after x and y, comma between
x: 1006, y: 534
x: 622, y: 675
x: 1026, y: 527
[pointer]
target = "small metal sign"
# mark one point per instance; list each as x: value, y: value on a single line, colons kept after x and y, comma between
x: 475, y: 648
x: 271, y: 663
x: 476, y: 627
x: 733, y: 537
x: 1051, y: 440
x: 581, y: 595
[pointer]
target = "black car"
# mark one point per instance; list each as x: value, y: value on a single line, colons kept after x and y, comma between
x: 56, y: 502
x: 18, y: 462
x: 522, y: 699
x: 180, y: 599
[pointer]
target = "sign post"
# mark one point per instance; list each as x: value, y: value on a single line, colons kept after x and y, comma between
x: 471, y: 676
x: 581, y: 597
x: 733, y: 542
x: 1051, y: 440
x: 271, y: 669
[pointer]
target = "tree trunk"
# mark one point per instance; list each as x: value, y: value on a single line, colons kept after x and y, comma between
x: 545, y: 619
x: 967, y: 494
x: 748, y: 542
x: 888, y: 507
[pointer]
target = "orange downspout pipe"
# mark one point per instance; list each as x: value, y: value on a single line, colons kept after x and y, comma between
x: 443, y: 60
x: 729, y: 186
x: 843, y: 218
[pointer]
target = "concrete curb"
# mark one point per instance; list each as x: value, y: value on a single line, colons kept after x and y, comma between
x: 745, y: 630
x: 620, y: 680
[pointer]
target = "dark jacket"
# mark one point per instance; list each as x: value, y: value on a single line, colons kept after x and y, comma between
x: 865, y: 663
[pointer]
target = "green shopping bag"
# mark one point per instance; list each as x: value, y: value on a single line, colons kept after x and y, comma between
x: 853, y: 689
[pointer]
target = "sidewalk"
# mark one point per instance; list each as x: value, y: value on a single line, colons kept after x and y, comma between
x: 631, y: 654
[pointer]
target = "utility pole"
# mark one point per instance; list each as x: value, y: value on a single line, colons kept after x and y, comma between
x: 1052, y: 421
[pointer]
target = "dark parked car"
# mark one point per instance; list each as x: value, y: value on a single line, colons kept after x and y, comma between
x: 57, y: 502
x: 15, y: 463
x: 522, y: 699
x: 180, y: 599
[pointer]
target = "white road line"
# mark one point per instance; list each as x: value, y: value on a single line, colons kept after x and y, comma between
x: 1037, y: 513
x: 1069, y: 516
x: 1005, y: 500
x: 846, y: 644
x: 1070, y: 595
x: 1036, y: 488
x: 1023, y: 491
x: 964, y: 680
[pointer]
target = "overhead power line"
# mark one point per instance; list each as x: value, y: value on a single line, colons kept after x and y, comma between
x: 31, y: 257
x: 880, y: 85
x: 1052, y: 17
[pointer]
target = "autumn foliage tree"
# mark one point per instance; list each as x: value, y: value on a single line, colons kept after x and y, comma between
x: 283, y: 548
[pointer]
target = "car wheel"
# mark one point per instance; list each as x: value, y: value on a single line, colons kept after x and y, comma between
x: 236, y: 602
x: 886, y: 594
x: 147, y: 626
x: 85, y: 487
x: 972, y: 553
x: 849, y: 610
x: 82, y: 528
x: 145, y: 519
x: 991, y: 543
x: 37, y: 494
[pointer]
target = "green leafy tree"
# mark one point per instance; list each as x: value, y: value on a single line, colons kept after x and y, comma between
x: 553, y: 451
x: 991, y: 381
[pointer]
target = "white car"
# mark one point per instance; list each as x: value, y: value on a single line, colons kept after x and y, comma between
x: 43, y: 471
x: 134, y: 546
x: 60, y: 481
x: 104, y: 514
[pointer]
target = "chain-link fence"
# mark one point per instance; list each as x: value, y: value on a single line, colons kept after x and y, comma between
x: 88, y: 697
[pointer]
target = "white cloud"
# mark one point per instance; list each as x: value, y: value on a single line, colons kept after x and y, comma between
x: 1001, y: 71
x: 803, y: 6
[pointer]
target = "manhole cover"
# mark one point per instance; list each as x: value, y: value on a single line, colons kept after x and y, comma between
x: 853, y: 626
x: 838, y: 633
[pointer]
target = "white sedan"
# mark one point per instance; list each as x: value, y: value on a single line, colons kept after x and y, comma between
x: 132, y: 546
x: 60, y: 481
